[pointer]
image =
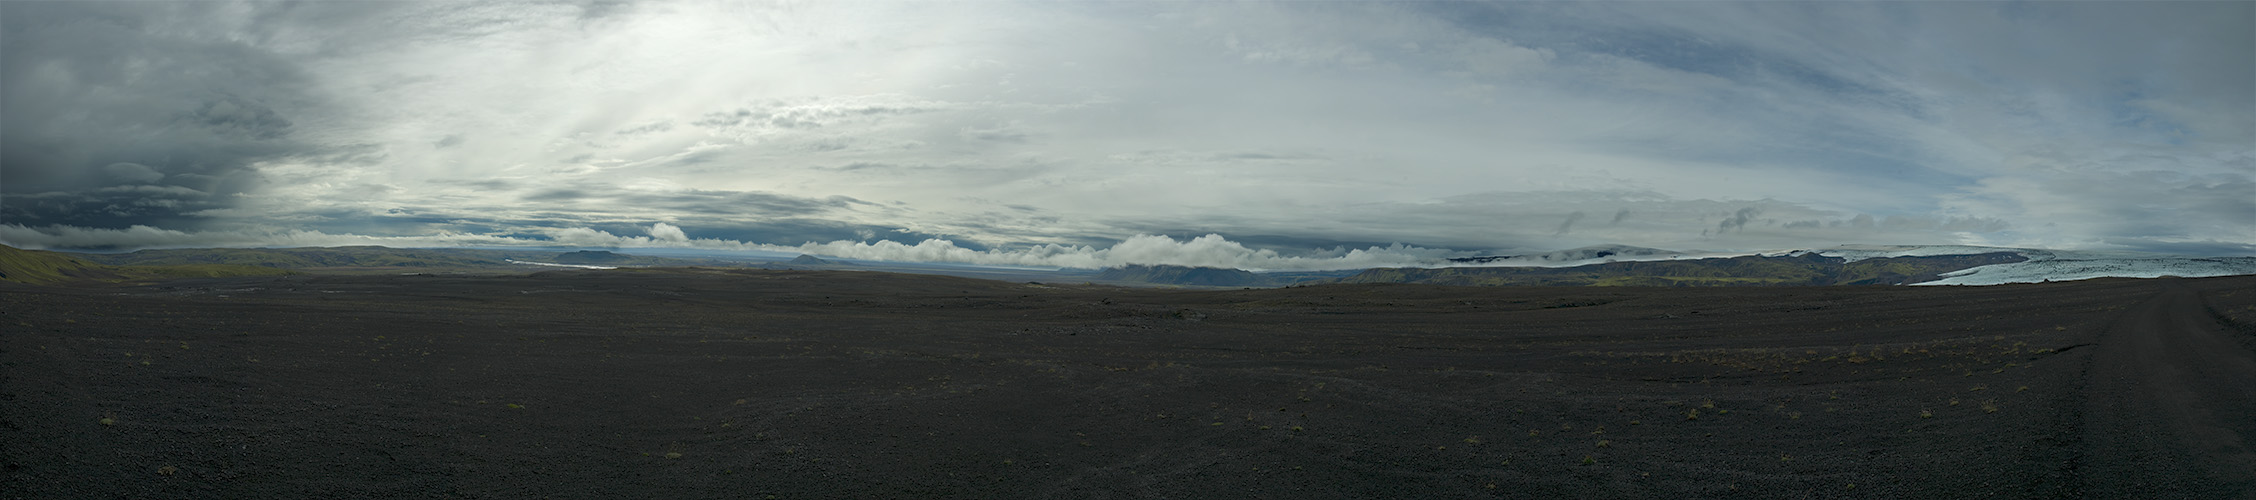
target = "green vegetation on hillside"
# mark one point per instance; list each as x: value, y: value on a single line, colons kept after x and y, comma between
x: 41, y: 268
x: 49, y: 268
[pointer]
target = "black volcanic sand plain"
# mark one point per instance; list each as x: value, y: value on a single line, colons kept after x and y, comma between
x: 694, y: 383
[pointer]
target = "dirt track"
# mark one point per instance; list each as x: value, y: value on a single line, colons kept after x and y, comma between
x: 867, y: 385
x: 2172, y: 408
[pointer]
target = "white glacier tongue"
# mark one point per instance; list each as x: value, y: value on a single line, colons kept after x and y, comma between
x: 1853, y: 253
x: 2053, y: 265
x: 2076, y: 267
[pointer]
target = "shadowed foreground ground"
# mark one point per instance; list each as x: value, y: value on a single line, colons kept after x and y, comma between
x: 745, y: 384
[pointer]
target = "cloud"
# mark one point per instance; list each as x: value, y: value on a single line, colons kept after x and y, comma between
x: 663, y: 232
x: 814, y: 112
x: 1568, y: 225
x: 133, y: 173
x: 1738, y: 219
x: 2152, y: 210
x: 100, y: 95
x: 1208, y: 251
x: 1470, y: 126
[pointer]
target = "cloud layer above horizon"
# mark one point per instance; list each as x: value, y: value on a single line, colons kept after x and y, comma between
x: 1025, y: 133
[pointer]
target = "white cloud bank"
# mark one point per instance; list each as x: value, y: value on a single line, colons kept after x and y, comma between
x: 1207, y: 251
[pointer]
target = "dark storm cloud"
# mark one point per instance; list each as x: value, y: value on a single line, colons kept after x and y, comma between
x: 108, y: 104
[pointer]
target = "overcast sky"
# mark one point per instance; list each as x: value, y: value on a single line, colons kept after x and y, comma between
x: 1303, y: 135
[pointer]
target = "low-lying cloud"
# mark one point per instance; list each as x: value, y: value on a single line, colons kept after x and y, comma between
x: 1204, y: 251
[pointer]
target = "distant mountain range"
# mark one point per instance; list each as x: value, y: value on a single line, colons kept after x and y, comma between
x: 1582, y: 255
x: 1180, y: 275
x: 1611, y: 265
x: 1751, y: 270
x: 810, y: 260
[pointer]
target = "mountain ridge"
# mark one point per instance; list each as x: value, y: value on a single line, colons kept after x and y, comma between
x: 1749, y: 270
x: 1183, y: 275
x: 40, y: 267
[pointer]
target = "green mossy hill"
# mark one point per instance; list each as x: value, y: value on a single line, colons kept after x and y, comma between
x: 39, y: 267
x: 43, y: 268
x: 1803, y: 269
x: 1180, y: 275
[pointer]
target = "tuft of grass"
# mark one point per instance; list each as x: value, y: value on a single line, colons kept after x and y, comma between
x: 1926, y: 414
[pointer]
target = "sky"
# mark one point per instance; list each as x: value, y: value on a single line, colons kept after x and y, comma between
x: 1300, y: 135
